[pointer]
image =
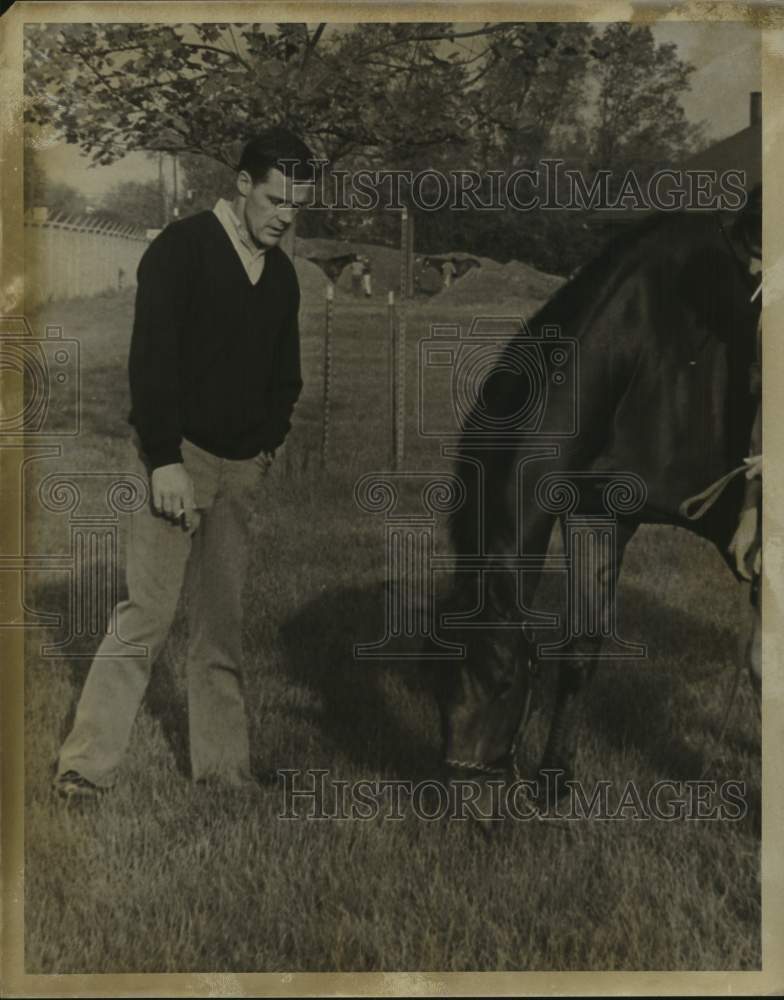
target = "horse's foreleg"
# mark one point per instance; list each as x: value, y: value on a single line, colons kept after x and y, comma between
x: 596, y: 589
x: 561, y: 749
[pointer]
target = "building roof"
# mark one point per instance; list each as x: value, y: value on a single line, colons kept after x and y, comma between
x: 741, y: 151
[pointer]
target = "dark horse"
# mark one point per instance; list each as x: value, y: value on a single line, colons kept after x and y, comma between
x: 665, y: 337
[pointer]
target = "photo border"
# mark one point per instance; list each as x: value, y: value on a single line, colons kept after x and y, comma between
x: 15, y: 982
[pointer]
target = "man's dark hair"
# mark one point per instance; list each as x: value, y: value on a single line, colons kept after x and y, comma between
x: 279, y: 149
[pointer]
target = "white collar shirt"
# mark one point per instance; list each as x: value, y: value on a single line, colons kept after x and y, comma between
x: 250, y: 255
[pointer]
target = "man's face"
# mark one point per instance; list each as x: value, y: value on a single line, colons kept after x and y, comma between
x: 271, y: 205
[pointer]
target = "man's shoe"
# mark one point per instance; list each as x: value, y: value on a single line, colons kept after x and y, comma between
x: 72, y: 787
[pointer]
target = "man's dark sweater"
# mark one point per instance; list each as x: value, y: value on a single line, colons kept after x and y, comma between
x: 214, y: 358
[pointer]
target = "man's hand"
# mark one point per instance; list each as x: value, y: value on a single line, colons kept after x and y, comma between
x: 264, y: 460
x: 744, y: 544
x: 172, y: 493
x: 754, y: 466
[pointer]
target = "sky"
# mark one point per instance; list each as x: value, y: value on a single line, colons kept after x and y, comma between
x: 728, y: 67
x: 727, y: 57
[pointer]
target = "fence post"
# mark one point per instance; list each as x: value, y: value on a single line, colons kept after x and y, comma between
x: 401, y: 388
x: 51, y: 238
x: 403, y: 253
x: 410, y: 258
x: 392, y: 359
x: 327, y: 372
x: 400, y: 327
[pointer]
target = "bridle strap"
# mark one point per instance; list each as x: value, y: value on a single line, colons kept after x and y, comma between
x: 510, y: 761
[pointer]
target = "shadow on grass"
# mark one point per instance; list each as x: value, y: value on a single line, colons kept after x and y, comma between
x: 372, y: 711
x: 379, y: 713
x: 642, y: 704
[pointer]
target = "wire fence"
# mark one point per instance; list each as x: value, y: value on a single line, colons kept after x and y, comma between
x: 69, y: 256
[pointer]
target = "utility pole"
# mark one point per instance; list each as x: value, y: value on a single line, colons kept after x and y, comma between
x: 176, y: 195
x: 161, y: 191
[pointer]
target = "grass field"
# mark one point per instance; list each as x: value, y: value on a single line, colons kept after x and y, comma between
x: 164, y: 876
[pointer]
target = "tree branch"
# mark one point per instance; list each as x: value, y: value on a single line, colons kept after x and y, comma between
x: 311, y: 45
x: 236, y: 57
x: 441, y: 37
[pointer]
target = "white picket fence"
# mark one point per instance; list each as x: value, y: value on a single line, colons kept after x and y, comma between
x: 68, y: 257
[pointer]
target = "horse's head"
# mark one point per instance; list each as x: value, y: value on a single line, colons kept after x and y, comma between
x: 482, y: 698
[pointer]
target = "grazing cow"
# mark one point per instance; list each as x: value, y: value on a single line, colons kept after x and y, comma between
x: 463, y: 265
x: 664, y: 336
x: 333, y: 267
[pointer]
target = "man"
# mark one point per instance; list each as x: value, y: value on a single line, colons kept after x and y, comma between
x: 356, y: 275
x: 367, y: 272
x: 214, y: 375
x: 448, y: 271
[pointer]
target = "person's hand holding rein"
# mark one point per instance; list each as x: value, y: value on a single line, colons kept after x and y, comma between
x: 172, y: 493
x: 744, y: 548
x: 754, y: 463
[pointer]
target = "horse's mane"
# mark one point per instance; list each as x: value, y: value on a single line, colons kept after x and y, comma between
x: 596, y: 274
x: 579, y: 299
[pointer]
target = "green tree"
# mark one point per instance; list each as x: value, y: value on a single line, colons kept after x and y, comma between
x: 133, y: 203
x: 492, y: 96
x: 204, y: 180
x: 639, y: 122
x: 34, y: 178
x: 64, y: 198
x: 40, y: 191
x: 202, y: 88
x: 532, y: 94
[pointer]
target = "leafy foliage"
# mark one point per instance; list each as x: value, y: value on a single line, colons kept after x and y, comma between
x: 115, y: 87
x: 133, y: 203
x: 640, y: 124
x: 42, y: 190
x: 492, y: 96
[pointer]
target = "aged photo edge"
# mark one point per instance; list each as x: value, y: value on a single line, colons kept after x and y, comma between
x: 771, y: 979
